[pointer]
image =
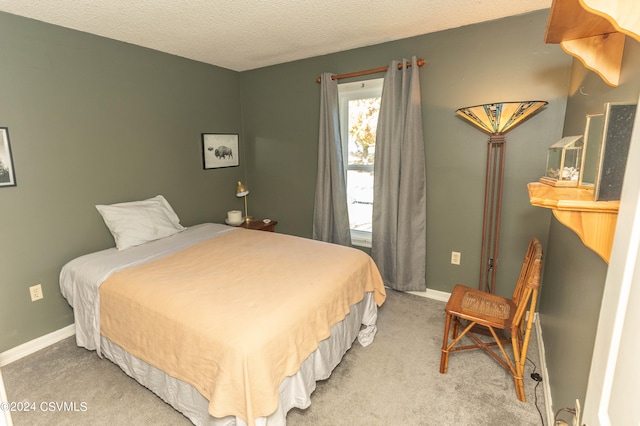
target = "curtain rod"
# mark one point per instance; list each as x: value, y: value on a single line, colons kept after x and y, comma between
x: 420, y: 63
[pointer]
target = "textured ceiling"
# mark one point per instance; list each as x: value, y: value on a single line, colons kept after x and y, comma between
x: 248, y: 34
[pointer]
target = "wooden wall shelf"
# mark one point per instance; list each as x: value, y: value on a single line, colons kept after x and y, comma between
x: 594, y: 32
x: 593, y: 221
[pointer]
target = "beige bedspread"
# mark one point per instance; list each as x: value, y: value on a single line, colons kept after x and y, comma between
x: 234, y: 315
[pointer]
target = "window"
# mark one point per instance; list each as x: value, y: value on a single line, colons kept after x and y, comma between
x: 359, y: 107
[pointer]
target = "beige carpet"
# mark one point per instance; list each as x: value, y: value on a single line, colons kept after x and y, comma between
x: 395, y: 381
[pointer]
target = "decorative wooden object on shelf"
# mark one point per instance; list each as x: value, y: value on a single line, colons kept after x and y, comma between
x: 594, y: 32
x: 593, y: 221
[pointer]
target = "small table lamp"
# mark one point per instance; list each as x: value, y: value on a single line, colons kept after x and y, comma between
x: 243, y: 191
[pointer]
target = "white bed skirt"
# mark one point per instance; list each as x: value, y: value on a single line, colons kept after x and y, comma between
x: 295, y: 391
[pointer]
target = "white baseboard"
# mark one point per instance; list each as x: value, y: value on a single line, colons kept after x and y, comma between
x: 14, y: 354
x: 442, y: 296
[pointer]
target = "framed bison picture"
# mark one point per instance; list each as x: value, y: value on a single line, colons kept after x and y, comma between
x: 7, y: 174
x: 220, y: 150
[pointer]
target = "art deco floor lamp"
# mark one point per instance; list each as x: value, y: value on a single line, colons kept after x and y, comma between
x: 495, y: 119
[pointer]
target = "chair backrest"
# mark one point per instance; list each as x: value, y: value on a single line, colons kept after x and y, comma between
x: 529, y: 281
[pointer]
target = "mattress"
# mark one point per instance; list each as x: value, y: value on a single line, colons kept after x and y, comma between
x: 253, y: 402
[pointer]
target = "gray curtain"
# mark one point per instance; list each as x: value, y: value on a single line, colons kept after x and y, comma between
x: 330, y: 213
x: 399, y: 208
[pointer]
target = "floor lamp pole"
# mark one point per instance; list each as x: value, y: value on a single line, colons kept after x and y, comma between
x: 492, y: 209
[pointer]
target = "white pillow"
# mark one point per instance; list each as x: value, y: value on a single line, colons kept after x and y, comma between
x: 138, y: 222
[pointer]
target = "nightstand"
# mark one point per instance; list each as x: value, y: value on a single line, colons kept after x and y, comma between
x: 259, y: 225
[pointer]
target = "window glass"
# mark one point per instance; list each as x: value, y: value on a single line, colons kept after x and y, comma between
x: 359, y: 108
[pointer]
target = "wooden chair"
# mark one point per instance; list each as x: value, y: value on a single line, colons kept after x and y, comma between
x: 478, y: 311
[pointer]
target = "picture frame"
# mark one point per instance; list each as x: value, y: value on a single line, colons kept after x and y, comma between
x: 7, y: 172
x: 220, y: 150
x: 618, y: 127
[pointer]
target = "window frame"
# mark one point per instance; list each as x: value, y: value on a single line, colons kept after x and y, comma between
x: 350, y: 91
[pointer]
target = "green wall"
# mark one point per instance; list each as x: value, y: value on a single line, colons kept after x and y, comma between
x: 504, y: 60
x: 95, y: 121
x: 574, y: 276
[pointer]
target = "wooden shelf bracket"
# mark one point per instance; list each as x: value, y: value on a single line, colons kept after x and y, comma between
x: 594, y: 32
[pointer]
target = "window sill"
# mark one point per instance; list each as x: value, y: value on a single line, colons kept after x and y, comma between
x: 361, y: 239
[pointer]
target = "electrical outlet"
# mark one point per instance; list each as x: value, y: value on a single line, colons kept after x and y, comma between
x: 36, y: 292
x: 455, y: 257
x: 576, y: 417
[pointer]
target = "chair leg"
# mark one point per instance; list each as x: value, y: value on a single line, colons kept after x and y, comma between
x: 520, y: 345
x: 518, y: 377
x: 444, y: 357
x: 456, y: 328
x: 519, y: 385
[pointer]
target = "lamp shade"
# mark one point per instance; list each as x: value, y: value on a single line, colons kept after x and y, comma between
x: 499, y: 118
x: 241, y: 190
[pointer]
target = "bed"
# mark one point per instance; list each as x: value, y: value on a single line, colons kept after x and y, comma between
x: 229, y: 326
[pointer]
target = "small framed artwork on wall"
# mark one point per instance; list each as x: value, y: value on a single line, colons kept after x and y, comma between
x: 7, y: 173
x: 220, y: 150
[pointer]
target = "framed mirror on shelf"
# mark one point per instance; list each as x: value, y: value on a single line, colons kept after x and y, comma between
x: 593, y: 133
